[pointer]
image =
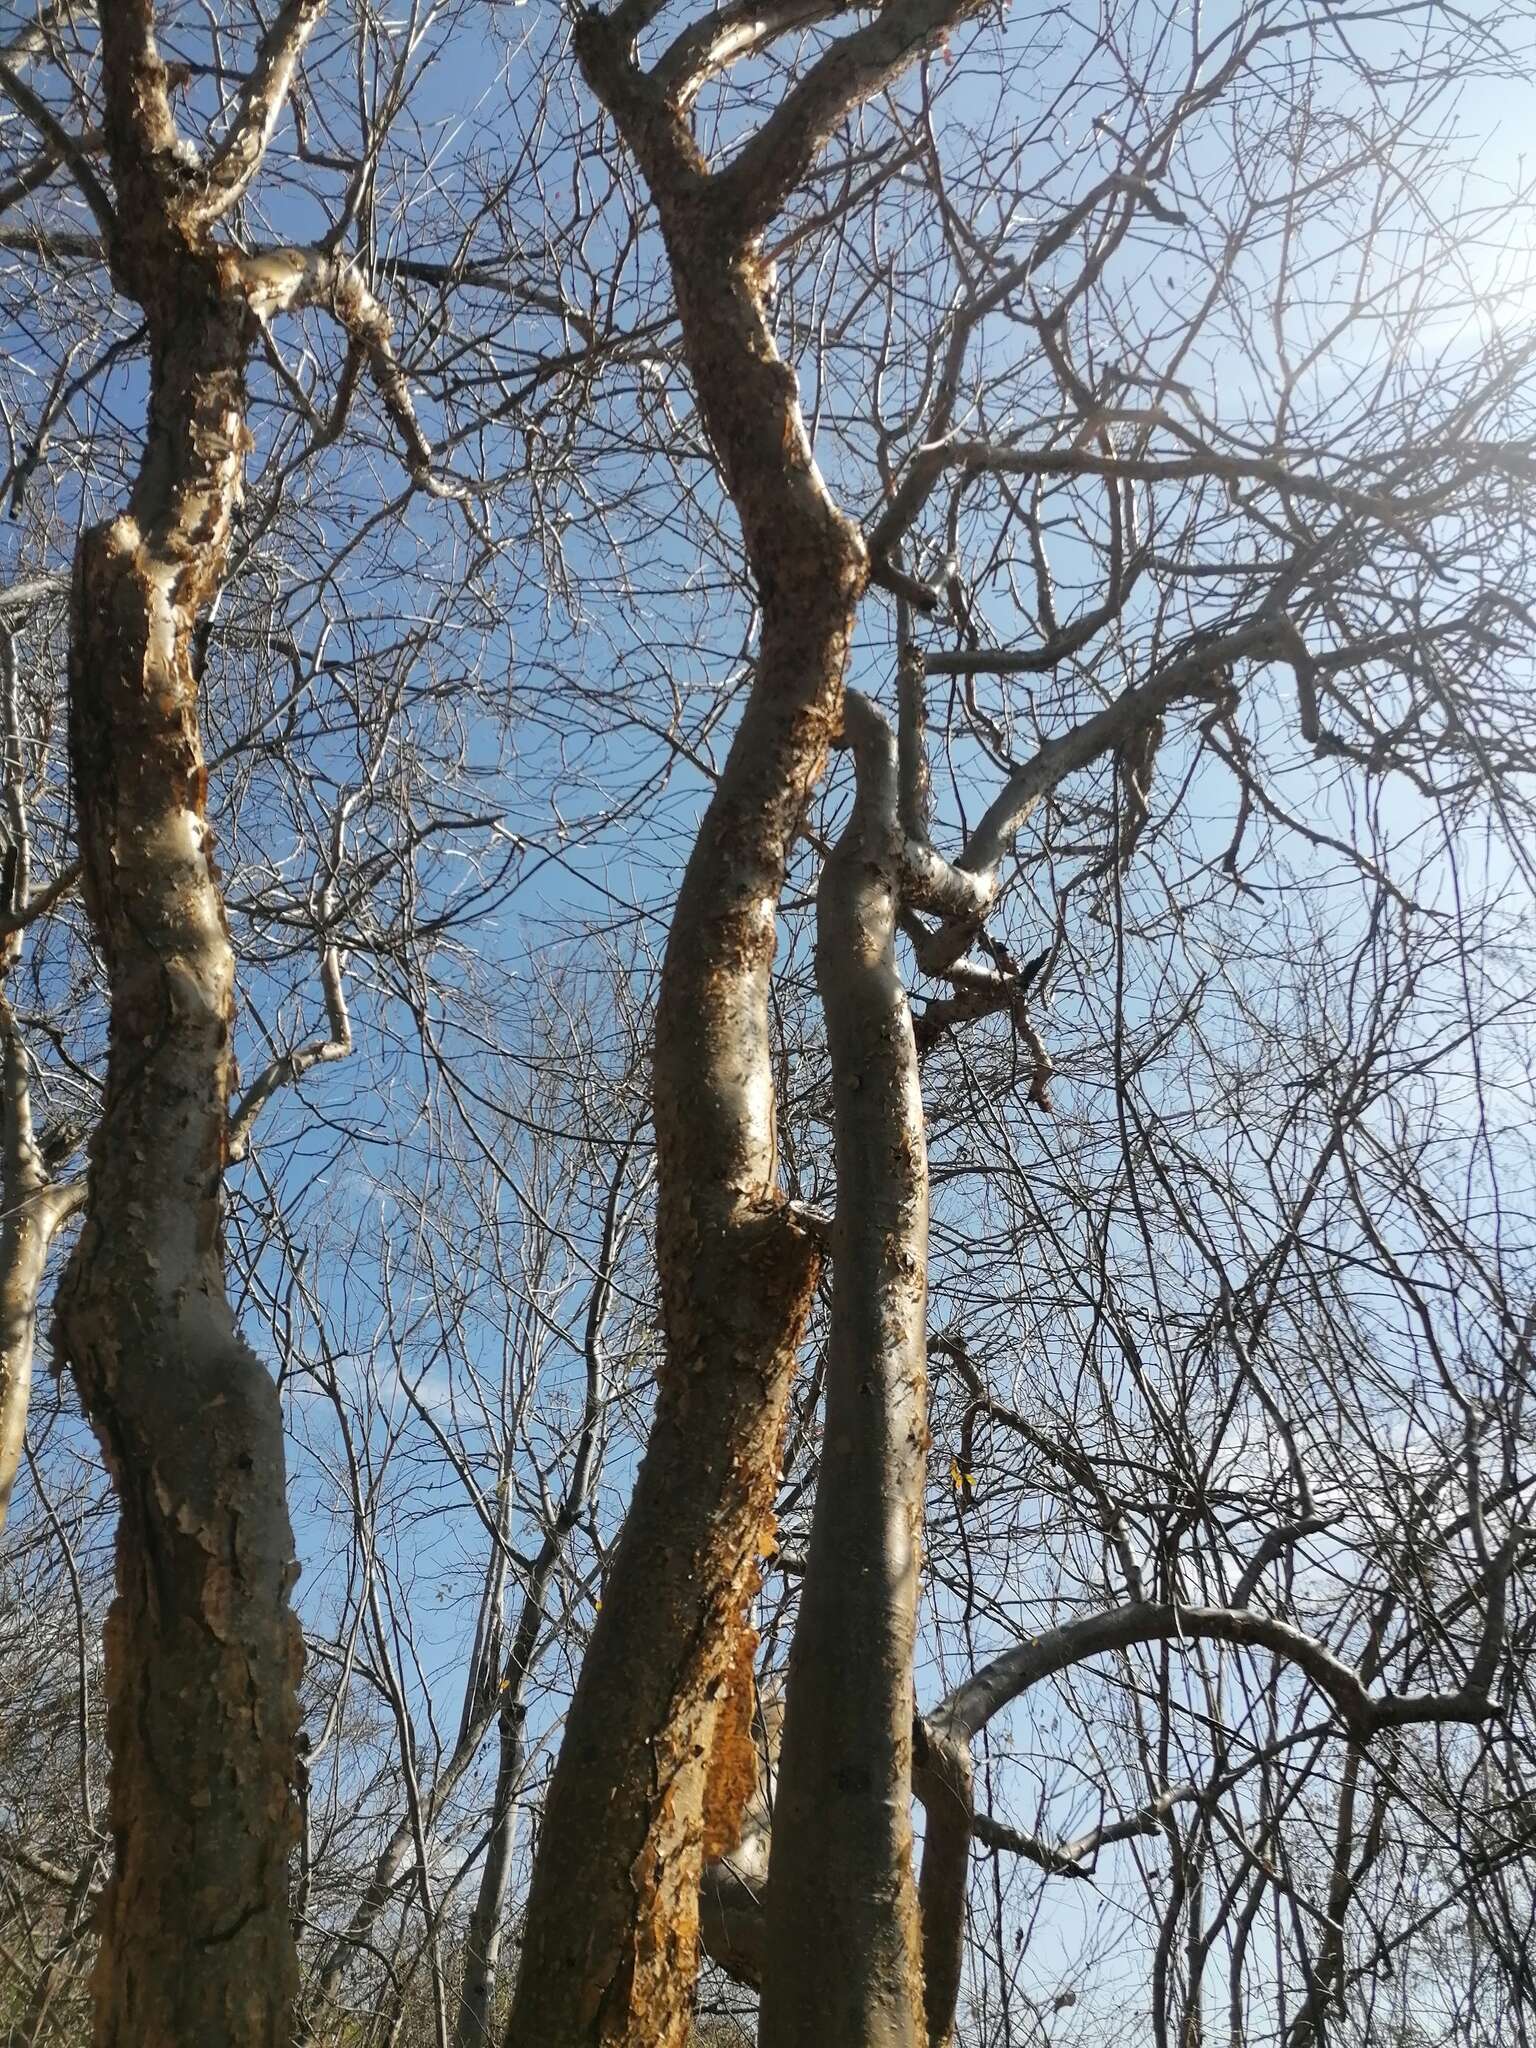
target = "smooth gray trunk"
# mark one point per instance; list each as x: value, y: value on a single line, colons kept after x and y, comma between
x: 844, y: 1962
x: 482, y: 1946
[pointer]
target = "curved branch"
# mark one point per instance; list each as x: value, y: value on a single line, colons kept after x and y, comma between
x: 1198, y: 673
x: 753, y: 187
x: 706, y: 47
x: 239, y: 156
x: 290, y: 1067
x: 972, y: 1705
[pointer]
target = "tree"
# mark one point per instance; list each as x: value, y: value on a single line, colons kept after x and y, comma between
x: 1233, y: 547
x: 203, y: 1648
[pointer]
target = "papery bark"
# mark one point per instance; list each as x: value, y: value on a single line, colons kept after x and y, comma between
x: 203, y: 1652
x: 656, y: 1761
x: 202, y: 1649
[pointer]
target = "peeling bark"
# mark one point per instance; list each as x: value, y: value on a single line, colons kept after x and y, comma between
x: 202, y: 1649
x: 649, y: 1781
x: 203, y: 1653
x: 732, y: 1917
x: 651, y: 1771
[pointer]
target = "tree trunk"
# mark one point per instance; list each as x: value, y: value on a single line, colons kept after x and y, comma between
x: 843, y: 1943
x: 943, y: 1777
x: 482, y: 1945
x: 657, y: 1758
x: 31, y: 1222
x: 34, y: 1208
x: 648, y: 1784
x: 203, y: 1652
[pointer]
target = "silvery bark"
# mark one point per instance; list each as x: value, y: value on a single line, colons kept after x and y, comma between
x: 843, y: 1946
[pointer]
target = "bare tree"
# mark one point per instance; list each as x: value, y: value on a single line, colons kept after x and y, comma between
x: 204, y: 1649
x: 1234, y: 548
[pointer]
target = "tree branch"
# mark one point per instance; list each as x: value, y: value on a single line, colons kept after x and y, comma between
x: 971, y: 1705
x: 239, y: 156
x: 69, y: 149
x: 708, y: 46
x: 754, y: 185
x: 290, y: 1067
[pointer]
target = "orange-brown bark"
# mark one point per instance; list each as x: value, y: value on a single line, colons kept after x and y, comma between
x: 203, y: 1651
